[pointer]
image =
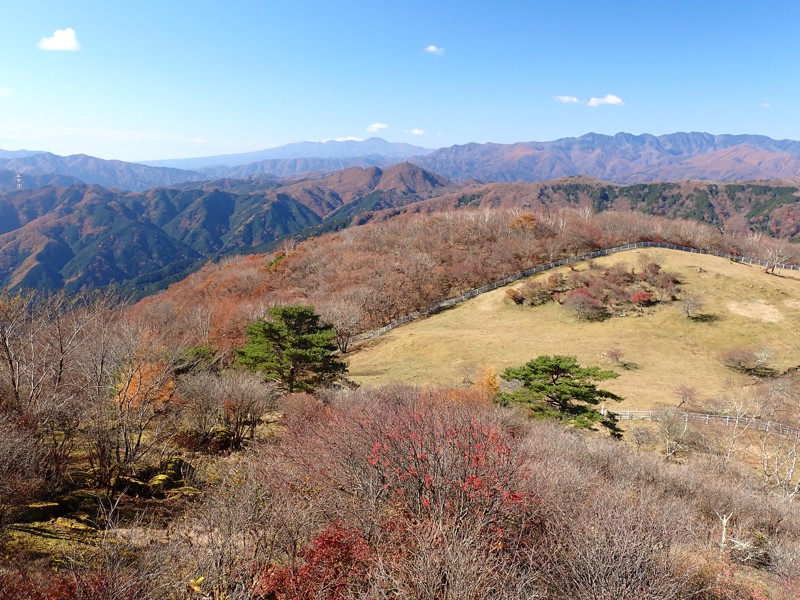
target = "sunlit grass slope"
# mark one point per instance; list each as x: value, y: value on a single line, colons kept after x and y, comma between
x: 751, y: 309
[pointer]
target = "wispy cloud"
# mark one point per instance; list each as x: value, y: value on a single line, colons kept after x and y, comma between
x: 610, y: 99
x: 566, y: 99
x: 347, y: 138
x: 434, y: 49
x: 765, y: 105
x: 418, y: 131
x: 61, y: 40
x: 5, y: 92
x: 375, y: 127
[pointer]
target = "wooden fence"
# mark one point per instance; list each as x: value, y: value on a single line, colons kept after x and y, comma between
x: 559, y: 263
x: 720, y: 419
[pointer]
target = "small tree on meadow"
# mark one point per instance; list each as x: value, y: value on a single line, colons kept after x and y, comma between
x: 293, y: 347
x: 561, y: 383
x: 691, y: 305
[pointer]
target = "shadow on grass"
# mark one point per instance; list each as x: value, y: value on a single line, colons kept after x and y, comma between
x: 76, y: 535
x: 705, y: 318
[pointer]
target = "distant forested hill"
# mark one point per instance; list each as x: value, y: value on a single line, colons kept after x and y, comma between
x: 90, y: 236
x: 622, y: 158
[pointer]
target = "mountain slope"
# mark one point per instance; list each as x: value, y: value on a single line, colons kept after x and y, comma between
x: 289, y: 167
x: 622, y: 158
x: 771, y: 208
x: 108, y: 173
x: 332, y: 149
x: 91, y: 236
x: 8, y: 180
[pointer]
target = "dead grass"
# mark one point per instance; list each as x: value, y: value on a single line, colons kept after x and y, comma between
x: 669, y: 349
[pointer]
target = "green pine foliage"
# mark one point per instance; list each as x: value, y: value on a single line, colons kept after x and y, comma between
x: 558, y: 387
x: 294, y: 348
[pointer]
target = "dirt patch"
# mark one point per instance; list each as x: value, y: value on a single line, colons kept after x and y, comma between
x: 761, y: 310
x: 792, y: 303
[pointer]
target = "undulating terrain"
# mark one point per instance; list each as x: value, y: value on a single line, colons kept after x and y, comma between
x: 236, y: 433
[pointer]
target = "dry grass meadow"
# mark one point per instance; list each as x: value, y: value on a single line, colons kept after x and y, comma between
x: 750, y: 308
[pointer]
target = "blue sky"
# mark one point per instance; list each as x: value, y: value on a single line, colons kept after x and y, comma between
x: 174, y: 78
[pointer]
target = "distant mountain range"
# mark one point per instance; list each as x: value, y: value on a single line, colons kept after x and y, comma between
x: 622, y: 158
x: 90, y: 236
x: 331, y: 149
x: 291, y: 167
x: 88, y: 169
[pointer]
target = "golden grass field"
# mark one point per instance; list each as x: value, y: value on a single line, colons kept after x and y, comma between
x: 754, y: 309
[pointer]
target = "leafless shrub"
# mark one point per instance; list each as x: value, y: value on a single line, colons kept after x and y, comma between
x: 235, y: 400
x: 749, y: 360
x: 673, y: 428
x: 691, y: 304
x: 21, y: 478
x: 600, y: 552
x: 642, y: 436
x: 347, y: 315
x: 686, y: 395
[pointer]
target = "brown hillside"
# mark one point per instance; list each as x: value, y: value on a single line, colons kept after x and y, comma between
x: 376, y: 273
x: 325, y: 195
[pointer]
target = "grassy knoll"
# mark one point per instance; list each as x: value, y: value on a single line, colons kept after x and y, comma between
x: 750, y: 309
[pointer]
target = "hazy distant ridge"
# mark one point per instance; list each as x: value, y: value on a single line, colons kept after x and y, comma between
x: 374, y: 146
x: 622, y: 158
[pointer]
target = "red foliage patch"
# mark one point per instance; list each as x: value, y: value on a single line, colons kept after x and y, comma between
x: 337, y: 561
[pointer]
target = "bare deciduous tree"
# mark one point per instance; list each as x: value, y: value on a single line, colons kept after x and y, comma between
x: 236, y: 400
x: 672, y: 427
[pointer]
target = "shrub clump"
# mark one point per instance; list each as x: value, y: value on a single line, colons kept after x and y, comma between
x: 601, y: 293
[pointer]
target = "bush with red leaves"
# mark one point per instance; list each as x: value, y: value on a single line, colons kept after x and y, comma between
x: 335, y: 565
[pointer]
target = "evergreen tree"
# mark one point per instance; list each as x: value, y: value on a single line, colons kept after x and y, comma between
x: 559, y: 382
x: 293, y: 347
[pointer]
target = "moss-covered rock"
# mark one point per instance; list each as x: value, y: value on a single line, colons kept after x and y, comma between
x: 185, y: 491
x: 220, y: 439
x: 80, y: 500
x: 75, y: 525
x: 39, y: 511
x: 176, y: 468
x: 161, y: 482
x: 144, y: 472
x: 82, y: 477
x: 132, y: 487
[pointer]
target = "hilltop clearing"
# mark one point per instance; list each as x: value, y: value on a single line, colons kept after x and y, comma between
x: 746, y: 308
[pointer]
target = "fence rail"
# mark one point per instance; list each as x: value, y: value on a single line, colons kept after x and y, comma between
x: 719, y: 419
x: 559, y: 263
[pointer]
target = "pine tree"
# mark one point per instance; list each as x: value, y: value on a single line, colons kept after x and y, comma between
x: 292, y: 347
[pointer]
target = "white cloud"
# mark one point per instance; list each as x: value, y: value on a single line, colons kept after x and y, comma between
x: 62, y: 39
x: 4, y: 92
x: 418, y: 131
x: 347, y: 138
x: 765, y: 105
x: 375, y: 127
x: 608, y: 99
x: 434, y: 49
x: 566, y: 99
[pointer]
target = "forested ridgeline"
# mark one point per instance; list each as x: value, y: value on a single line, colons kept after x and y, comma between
x: 366, y: 277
